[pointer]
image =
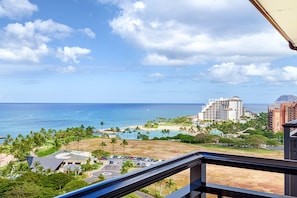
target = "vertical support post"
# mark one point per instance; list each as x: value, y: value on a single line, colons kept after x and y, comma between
x: 290, y: 153
x: 287, y: 142
x: 197, y: 179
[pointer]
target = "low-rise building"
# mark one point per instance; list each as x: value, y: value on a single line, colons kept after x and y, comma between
x: 60, y: 160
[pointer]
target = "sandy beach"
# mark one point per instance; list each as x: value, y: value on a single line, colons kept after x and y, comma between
x: 160, y: 127
x: 5, y: 159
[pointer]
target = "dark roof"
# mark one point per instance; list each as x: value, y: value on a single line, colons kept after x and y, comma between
x: 45, y: 162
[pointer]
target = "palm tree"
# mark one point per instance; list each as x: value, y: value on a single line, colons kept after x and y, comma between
x: 103, y: 144
x: 170, y: 183
x: 77, y: 133
x: 56, y: 143
x: 101, y: 124
x: 10, y: 168
x: 126, y: 165
x: 124, y: 144
x: 113, y: 141
x: 1, y: 151
x: 66, y: 142
x: 37, y: 166
x: 165, y: 131
x: 101, y: 177
x: 160, y: 187
x: 8, y: 140
x: 127, y: 130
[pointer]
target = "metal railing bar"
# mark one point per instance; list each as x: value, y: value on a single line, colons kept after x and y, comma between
x: 184, y: 192
x: 125, y: 184
x: 195, y: 161
x: 255, y: 163
x: 222, y: 190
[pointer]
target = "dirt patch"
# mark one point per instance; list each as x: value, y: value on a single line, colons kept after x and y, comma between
x: 243, y: 178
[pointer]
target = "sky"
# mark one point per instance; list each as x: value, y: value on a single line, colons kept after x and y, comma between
x: 146, y: 51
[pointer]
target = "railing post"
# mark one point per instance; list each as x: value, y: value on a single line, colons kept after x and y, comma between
x: 290, y: 152
x: 197, y: 179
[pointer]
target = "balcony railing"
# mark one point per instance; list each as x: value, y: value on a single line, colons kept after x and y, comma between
x: 198, y: 186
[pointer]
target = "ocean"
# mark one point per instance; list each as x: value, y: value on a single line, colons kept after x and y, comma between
x: 21, y: 118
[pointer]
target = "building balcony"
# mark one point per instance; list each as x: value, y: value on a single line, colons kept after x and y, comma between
x: 198, y: 185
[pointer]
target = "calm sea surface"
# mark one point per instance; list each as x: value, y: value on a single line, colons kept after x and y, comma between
x: 21, y: 118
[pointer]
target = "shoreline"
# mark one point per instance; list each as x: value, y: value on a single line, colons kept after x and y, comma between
x: 186, y: 129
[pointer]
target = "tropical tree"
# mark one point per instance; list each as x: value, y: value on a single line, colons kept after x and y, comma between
x: 126, y: 165
x: 160, y: 187
x: 102, y: 144
x: 124, y: 144
x: 77, y: 134
x: 28, y: 189
x: 101, y: 124
x: 57, y: 143
x: 170, y: 183
x: 37, y: 166
x: 8, y: 140
x: 113, y: 141
x: 57, y: 181
x: 165, y: 131
x: 74, y: 184
x: 1, y: 151
x: 89, y: 131
x: 101, y: 177
x: 10, y: 169
x: 66, y: 142
x: 117, y: 129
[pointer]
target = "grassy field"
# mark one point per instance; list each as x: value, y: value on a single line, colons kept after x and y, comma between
x: 243, y: 178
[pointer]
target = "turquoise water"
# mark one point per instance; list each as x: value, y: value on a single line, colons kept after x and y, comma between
x: 21, y: 118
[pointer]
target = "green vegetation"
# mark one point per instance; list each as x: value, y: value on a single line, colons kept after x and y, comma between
x: 183, y: 121
x: 151, y: 124
x: 250, y: 136
x: 35, y: 185
x: 100, y: 153
x: 126, y: 165
x: 42, y: 183
x: 253, y: 133
x: 47, y: 151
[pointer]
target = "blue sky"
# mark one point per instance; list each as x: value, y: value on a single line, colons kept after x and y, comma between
x: 158, y: 51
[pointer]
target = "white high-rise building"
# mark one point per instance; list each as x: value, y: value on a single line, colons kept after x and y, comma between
x: 222, y: 109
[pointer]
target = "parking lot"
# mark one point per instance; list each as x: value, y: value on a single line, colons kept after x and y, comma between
x: 112, y: 166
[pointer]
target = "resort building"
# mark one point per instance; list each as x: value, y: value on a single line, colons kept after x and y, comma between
x: 222, y: 109
x: 279, y: 115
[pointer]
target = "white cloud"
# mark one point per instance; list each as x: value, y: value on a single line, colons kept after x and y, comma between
x: 288, y: 73
x: 71, y: 53
x: 231, y: 73
x: 15, y: 9
x: 29, y: 41
x: 88, y: 32
x: 68, y: 69
x: 227, y: 73
x: 189, y: 32
x: 156, y: 75
x: 24, y: 53
x: 157, y: 59
x: 256, y: 70
x: 139, y: 5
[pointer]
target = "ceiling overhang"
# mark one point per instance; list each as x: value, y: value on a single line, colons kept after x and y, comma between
x: 282, y: 15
